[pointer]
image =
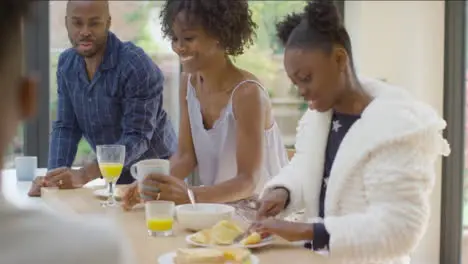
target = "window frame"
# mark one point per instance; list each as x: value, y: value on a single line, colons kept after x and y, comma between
x: 454, y: 113
x: 36, y: 48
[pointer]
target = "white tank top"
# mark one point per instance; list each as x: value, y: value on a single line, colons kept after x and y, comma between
x: 215, y: 148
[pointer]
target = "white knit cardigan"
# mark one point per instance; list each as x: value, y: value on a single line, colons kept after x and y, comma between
x: 377, y: 199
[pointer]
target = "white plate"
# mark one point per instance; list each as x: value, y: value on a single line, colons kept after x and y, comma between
x: 168, y: 258
x: 265, y: 242
x: 98, y: 182
x: 104, y: 193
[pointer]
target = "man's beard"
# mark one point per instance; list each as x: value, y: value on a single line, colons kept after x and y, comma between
x: 88, y: 54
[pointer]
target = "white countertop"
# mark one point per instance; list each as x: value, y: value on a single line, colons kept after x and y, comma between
x: 17, y: 191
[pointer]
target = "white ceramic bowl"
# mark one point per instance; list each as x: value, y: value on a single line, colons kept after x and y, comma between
x: 202, y: 215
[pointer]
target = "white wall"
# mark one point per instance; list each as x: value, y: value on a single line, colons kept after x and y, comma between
x: 403, y: 42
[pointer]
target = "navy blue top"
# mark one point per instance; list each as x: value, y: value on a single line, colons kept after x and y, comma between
x: 122, y: 104
x: 340, y: 125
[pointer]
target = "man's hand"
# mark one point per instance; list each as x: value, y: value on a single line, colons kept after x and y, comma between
x: 288, y: 230
x: 272, y: 203
x: 65, y: 178
x: 36, y: 186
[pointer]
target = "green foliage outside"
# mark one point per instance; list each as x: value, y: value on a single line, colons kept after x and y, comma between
x: 144, y: 36
x: 260, y: 58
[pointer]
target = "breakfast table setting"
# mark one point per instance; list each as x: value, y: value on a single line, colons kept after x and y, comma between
x: 147, y: 249
x: 162, y: 232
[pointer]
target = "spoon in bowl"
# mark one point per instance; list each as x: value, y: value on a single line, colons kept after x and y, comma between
x: 191, y: 196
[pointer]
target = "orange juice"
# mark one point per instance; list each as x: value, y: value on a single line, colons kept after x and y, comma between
x: 159, y: 224
x: 111, y: 171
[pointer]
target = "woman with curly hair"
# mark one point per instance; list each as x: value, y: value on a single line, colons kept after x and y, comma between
x: 365, y: 153
x: 227, y: 130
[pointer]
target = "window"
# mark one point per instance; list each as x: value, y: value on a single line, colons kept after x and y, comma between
x: 136, y: 21
x: 464, y: 248
x: 465, y: 192
x: 454, y: 207
x: 265, y: 60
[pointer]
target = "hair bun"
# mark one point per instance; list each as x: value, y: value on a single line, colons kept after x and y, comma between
x: 323, y: 16
x: 285, y: 27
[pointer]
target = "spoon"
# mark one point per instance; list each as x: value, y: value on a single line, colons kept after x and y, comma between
x: 191, y: 196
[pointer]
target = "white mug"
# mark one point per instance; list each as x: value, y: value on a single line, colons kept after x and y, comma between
x: 143, y: 168
x: 26, y: 168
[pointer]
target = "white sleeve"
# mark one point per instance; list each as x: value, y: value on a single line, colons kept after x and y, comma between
x: 397, y: 180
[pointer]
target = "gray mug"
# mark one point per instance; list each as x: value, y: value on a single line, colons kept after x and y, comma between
x: 26, y: 168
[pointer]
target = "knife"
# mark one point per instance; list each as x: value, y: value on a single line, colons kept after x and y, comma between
x: 246, y: 233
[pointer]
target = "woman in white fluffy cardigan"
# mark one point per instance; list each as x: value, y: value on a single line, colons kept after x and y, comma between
x: 365, y: 152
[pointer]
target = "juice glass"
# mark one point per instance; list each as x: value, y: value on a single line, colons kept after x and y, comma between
x: 111, y: 160
x: 159, y: 217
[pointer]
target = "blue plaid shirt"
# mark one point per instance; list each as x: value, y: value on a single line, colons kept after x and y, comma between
x: 122, y: 104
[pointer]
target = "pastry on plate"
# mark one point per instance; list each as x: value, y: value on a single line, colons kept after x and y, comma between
x: 224, y: 232
x: 202, y: 237
x: 199, y: 256
x: 237, y: 256
x: 212, y: 256
x: 252, y: 239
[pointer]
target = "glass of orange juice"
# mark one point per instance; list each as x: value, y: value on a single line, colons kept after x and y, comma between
x: 159, y: 217
x: 111, y: 161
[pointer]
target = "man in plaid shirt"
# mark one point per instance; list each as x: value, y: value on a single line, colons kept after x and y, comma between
x: 109, y: 92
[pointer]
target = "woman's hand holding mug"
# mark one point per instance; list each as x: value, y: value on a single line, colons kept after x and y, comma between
x: 140, y: 170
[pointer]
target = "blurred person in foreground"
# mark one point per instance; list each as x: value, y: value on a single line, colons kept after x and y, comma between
x: 365, y: 157
x: 227, y: 130
x: 28, y: 235
x: 109, y: 92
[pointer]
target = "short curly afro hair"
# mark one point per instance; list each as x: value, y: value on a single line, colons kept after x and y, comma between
x: 229, y: 21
